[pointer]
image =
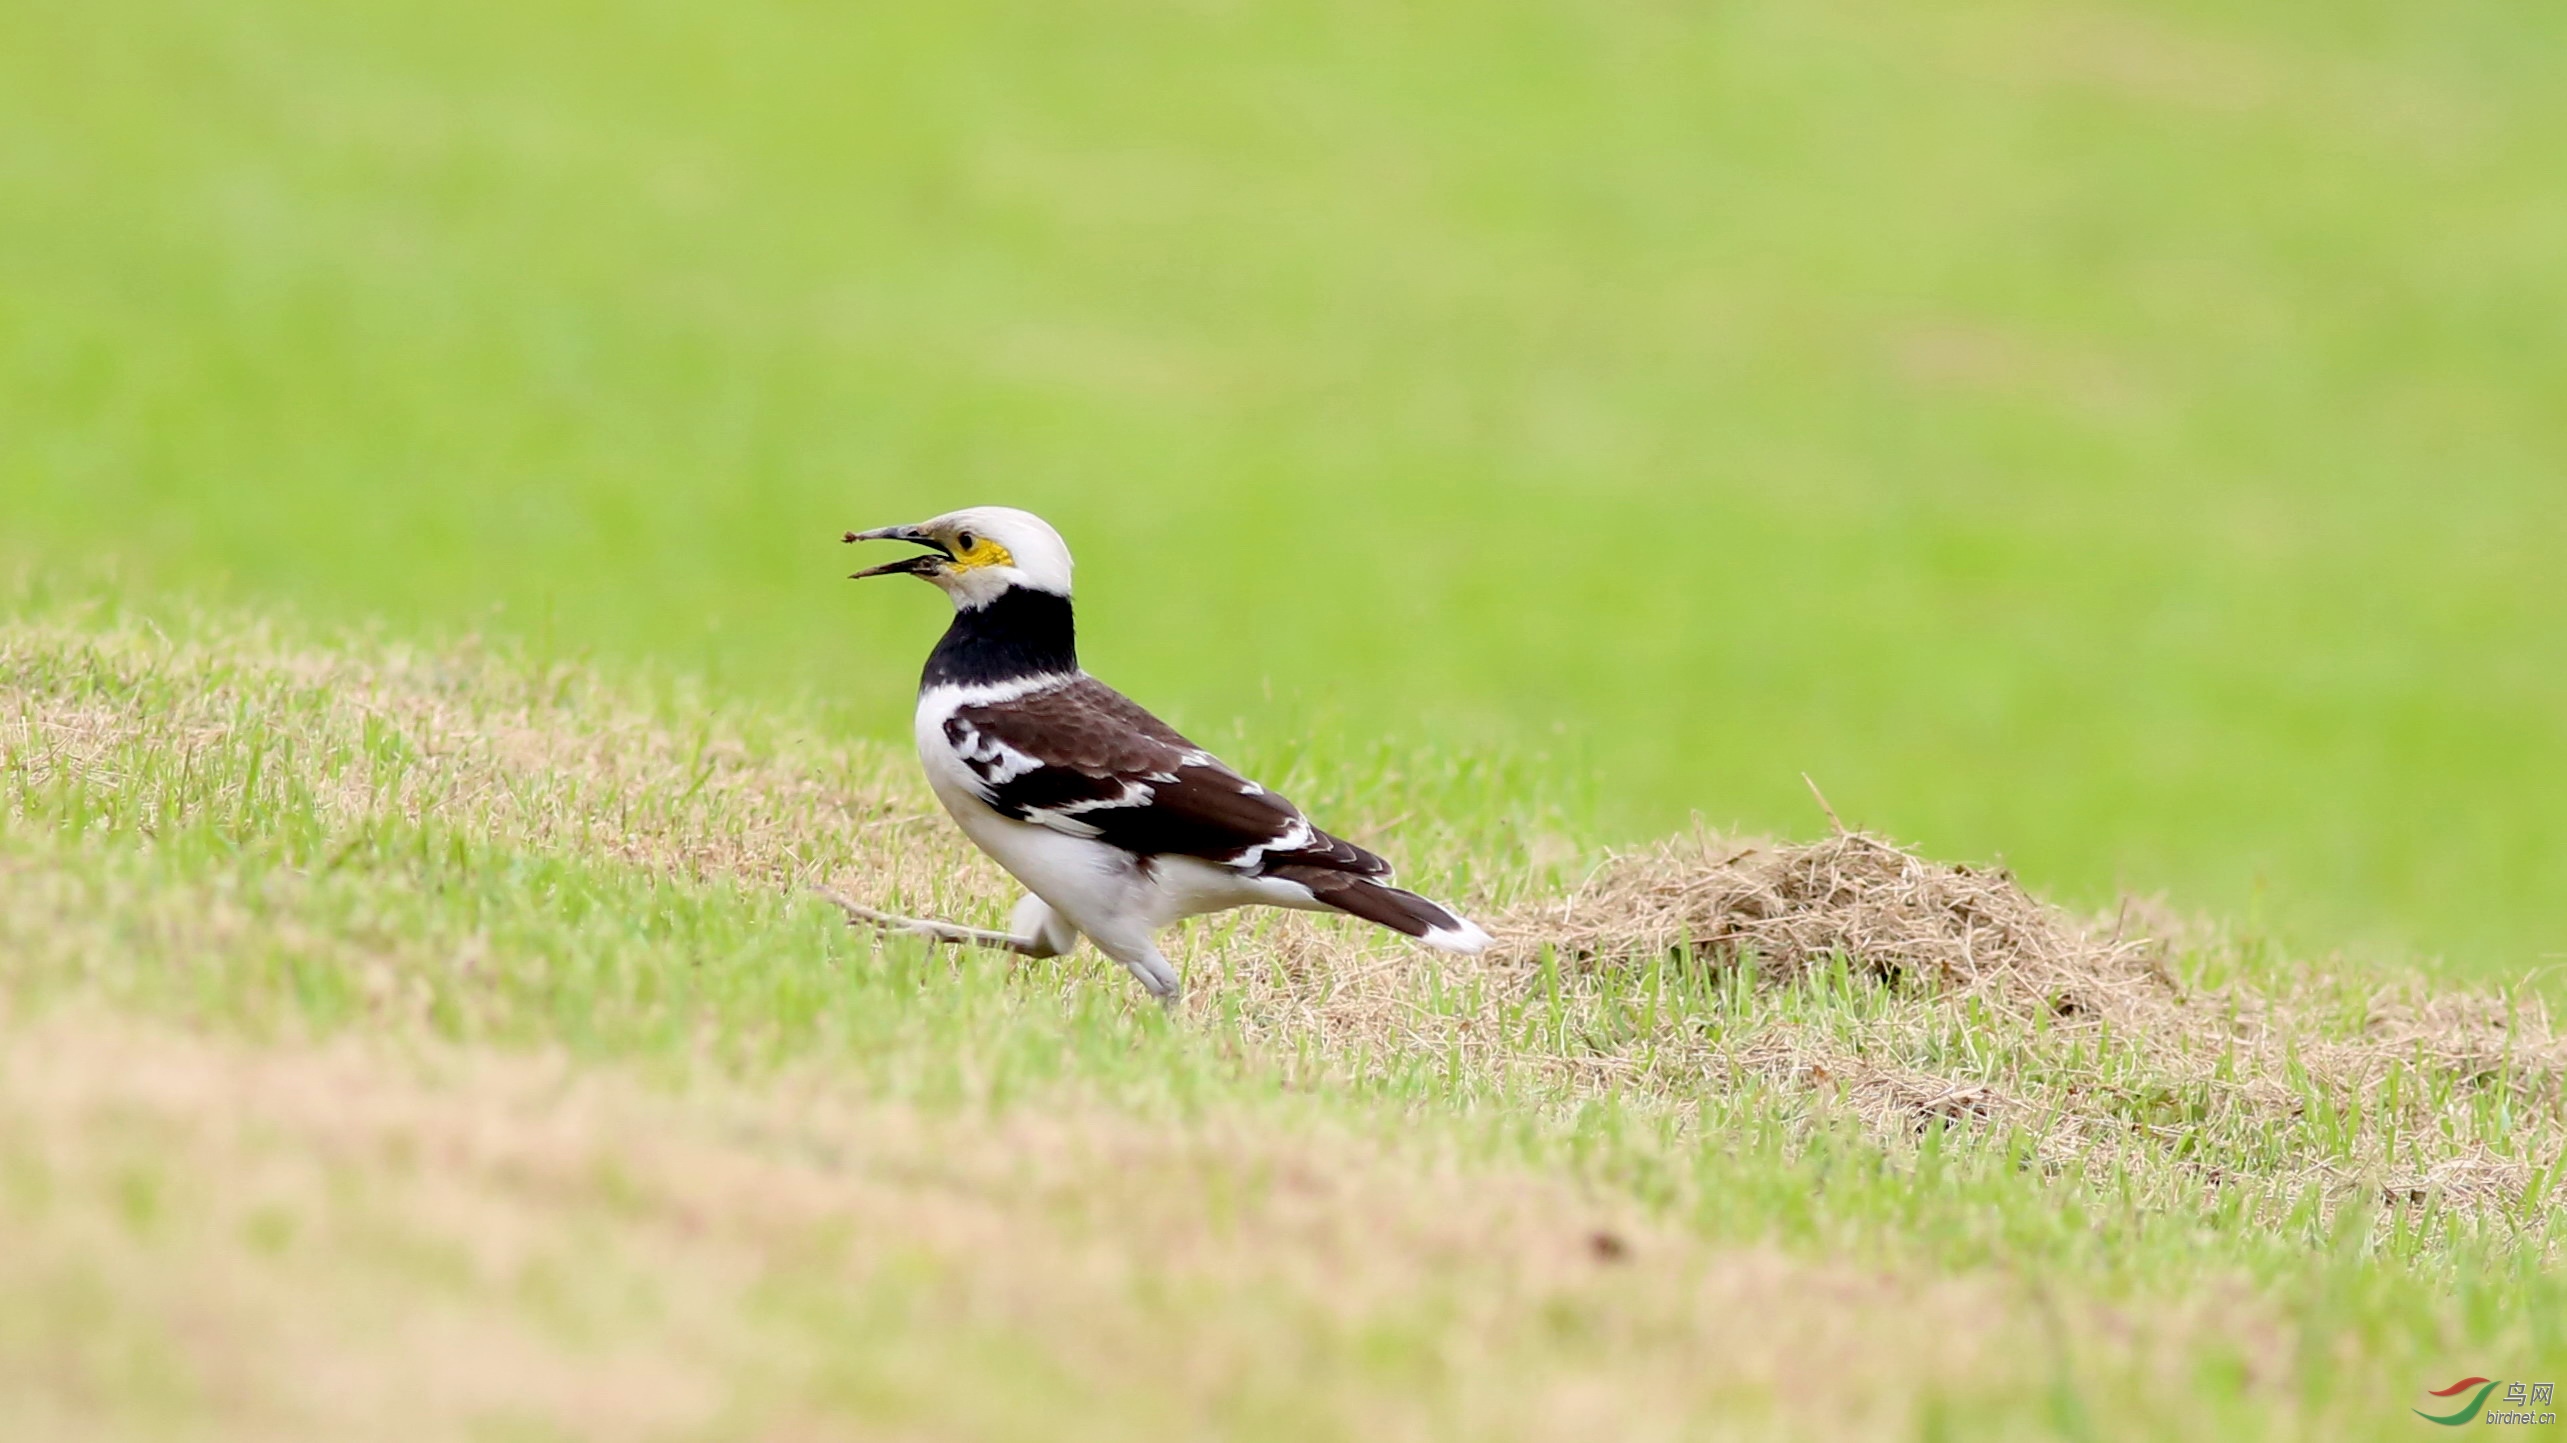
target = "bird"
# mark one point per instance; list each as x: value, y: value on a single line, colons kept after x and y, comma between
x: 1114, y: 822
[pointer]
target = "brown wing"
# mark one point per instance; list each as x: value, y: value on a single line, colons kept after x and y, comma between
x: 1082, y: 758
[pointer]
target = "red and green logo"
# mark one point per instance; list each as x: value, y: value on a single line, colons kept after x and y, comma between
x: 2523, y: 1402
x: 2469, y: 1410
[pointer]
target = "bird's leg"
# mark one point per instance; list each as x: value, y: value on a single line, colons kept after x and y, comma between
x: 1140, y: 956
x: 1047, y: 933
x: 1037, y: 945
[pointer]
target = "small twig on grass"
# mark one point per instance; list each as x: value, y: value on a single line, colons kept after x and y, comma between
x: 1832, y: 819
x: 892, y: 922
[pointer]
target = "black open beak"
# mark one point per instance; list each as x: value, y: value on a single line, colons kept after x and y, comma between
x: 925, y: 565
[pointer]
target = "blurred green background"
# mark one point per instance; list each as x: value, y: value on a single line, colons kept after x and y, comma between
x: 2130, y: 439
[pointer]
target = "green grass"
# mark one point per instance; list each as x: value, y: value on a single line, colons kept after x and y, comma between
x: 2120, y: 437
x: 351, y: 988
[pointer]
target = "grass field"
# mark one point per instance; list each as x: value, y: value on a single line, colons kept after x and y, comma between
x: 2126, y: 440
x: 439, y: 1045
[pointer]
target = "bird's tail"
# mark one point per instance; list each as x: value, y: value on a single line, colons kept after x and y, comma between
x: 1435, y: 925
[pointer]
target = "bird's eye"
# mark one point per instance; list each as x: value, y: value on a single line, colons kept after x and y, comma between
x: 962, y: 541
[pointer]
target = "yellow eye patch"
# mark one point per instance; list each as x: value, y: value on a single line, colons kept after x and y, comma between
x: 982, y: 552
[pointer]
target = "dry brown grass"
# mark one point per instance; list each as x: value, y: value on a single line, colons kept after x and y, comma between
x: 474, y: 741
x: 347, y: 1241
x: 1957, y: 931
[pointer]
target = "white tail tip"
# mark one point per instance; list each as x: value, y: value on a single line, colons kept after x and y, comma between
x: 1464, y: 936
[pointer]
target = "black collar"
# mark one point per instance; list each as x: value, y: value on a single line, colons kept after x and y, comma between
x: 1022, y: 632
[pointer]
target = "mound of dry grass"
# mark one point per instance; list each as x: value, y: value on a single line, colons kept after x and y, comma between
x: 1853, y: 897
x: 2409, y: 1093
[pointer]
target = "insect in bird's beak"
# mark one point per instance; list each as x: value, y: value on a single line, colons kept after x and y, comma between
x: 926, y: 565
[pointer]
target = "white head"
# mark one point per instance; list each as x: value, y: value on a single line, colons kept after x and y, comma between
x: 979, y: 552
